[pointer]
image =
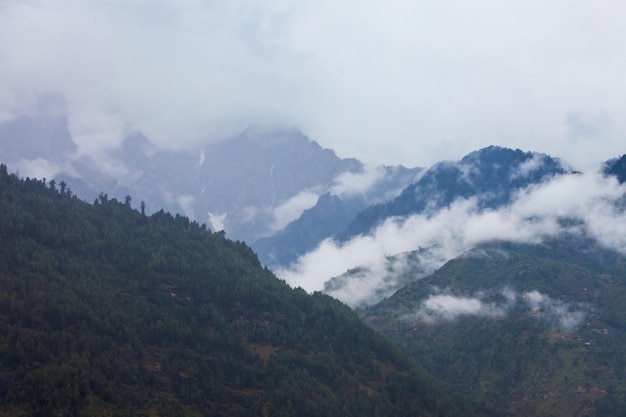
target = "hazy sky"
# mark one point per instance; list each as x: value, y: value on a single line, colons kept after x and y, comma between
x: 409, y: 82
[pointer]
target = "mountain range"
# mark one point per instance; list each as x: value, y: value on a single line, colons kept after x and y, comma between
x: 500, y: 273
x: 251, y: 185
x: 489, y: 178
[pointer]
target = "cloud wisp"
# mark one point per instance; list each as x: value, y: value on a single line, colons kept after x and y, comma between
x: 536, y: 213
x: 364, y: 286
x: 350, y: 184
x: 556, y: 312
x: 444, y: 306
x: 292, y: 209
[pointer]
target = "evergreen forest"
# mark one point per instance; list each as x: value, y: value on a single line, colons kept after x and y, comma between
x: 105, y: 311
x: 545, y: 337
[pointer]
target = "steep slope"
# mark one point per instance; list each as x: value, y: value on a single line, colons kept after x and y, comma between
x: 491, y: 175
x: 105, y: 311
x: 530, y: 329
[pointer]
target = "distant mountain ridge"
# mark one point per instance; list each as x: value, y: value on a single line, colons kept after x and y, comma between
x: 492, y: 175
x: 42, y: 134
x: 252, y: 185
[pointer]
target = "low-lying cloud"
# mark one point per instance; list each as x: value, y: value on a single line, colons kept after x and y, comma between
x: 292, y: 209
x: 350, y: 184
x: 364, y: 286
x: 444, y: 306
x: 449, y: 307
x: 556, y: 312
x: 536, y: 213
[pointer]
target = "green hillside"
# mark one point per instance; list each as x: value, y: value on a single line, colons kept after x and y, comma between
x: 532, y: 330
x: 107, y: 312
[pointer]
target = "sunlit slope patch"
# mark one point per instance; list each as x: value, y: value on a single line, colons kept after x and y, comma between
x: 530, y: 329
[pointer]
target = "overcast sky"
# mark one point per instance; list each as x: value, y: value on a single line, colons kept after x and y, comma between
x: 394, y: 81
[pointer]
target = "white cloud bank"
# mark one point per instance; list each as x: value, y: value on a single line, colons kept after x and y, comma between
x: 535, y: 214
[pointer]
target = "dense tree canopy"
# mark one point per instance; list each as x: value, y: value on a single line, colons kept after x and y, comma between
x: 561, y: 356
x: 105, y: 311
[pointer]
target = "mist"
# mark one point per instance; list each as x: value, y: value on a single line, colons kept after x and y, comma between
x: 535, y: 214
x: 444, y: 306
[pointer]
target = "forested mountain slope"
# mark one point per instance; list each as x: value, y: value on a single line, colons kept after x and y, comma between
x: 105, y: 311
x: 533, y: 330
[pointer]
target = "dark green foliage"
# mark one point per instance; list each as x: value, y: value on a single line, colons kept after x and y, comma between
x: 524, y: 361
x: 107, y: 312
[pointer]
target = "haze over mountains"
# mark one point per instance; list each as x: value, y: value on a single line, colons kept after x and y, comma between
x: 311, y: 215
x: 251, y: 185
x: 371, y: 235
